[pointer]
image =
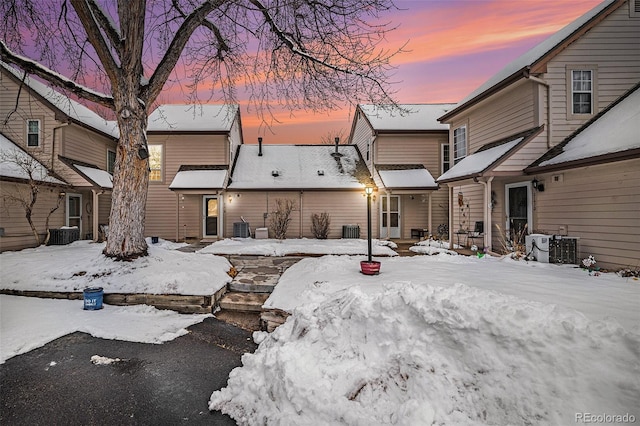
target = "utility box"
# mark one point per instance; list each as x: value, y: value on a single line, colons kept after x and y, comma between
x: 537, y: 246
x: 350, y: 231
x: 241, y: 230
x: 62, y: 236
x: 262, y: 233
x: 563, y: 250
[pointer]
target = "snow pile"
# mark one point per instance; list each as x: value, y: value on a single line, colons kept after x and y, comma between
x: 432, y: 355
x: 432, y: 247
x: 27, y: 323
x: 272, y: 247
x: 103, y: 360
x: 76, y: 266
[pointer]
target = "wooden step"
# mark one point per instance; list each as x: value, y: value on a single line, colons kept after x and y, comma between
x: 243, y: 302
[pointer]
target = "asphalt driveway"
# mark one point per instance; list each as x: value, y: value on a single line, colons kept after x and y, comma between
x: 167, y: 384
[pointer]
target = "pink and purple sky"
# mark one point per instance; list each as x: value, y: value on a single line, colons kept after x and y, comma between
x: 454, y: 46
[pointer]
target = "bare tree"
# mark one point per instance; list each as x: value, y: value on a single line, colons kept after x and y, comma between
x: 34, y: 175
x: 313, y: 54
x: 330, y: 137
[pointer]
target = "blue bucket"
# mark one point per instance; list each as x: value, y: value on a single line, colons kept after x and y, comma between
x: 92, y: 298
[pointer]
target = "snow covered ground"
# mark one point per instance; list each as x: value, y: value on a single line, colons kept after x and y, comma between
x: 449, y: 340
x: 272, y: 247
x: 75, y: 266
x: 28, y: 323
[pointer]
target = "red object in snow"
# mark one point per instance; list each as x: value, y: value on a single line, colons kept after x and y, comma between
x: 370, y: 268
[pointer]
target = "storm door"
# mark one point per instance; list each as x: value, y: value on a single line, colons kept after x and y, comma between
x: 390, y: 217
x: 519, y: 211
x: 211, y: 215
x: 74, y: 211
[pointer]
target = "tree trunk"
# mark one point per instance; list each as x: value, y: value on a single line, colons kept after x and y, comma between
x: 125, y: 240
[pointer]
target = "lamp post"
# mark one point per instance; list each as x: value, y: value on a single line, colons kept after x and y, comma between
x: 369, y: 267
x: 369, y: 191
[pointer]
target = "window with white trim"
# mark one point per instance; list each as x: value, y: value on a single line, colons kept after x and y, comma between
x: 111, y: 161
x: 582, y: 91
x: 459, y: 144
x: 155, y: 163
x: 33, y: 133
x: 446, y: 157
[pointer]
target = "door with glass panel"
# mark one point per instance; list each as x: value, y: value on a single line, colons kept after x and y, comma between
x: 519, y: 211
x: 390, y: 217
x: 211, y: 216
x: 74, y: 211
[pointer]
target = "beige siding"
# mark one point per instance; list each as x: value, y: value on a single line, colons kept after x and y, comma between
x: 598, y: 204
x: 28, y: 107
x: 465, y: 217
x: 510, y: 112
x: 17, y: 232
x: 162, y: 203
x: 344, y: 207
x: 87, y: 146
x: 526, y: 155
x: 362, y: 137
x: 612, y: 46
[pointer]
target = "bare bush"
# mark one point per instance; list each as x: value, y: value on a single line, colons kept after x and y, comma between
x: 280, y: 218
x: 320, y: 225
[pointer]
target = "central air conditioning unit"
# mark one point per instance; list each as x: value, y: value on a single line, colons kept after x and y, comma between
x: 537, y: 246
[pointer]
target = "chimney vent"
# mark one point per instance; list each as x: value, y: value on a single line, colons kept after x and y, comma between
x: 275, y: 173
x: 259, y: 147
x: 337, y: 142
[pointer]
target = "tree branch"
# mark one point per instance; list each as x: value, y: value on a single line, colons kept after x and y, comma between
x: 32, y: 67
x: 222, y: 44
x: 107, y: 26
x: 171, y: 56
x: 92, y: 28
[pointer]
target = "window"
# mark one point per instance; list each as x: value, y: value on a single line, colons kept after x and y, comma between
x: 446, y: 157
x: 155, y: 163
x: 634, y: 9
x: 459, y: 144
x: 582, y: 91
x: 111, y: 161
x: 33, y: 133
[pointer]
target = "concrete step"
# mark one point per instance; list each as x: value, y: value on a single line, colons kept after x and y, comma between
x: 243, y: 302
x: 255, y: 279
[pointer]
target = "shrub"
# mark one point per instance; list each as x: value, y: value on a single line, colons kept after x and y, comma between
x: 320, y: 225
x: 281, y: 217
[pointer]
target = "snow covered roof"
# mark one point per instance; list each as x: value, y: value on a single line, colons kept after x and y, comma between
x: 298, y: 167
x: 406, y: 177
x: 486, y: 157
x: 67, y: 106
x: 99, y: 177
x: 17, y: 163
x: 199, y: 177
x: 531, y: 57
x: 418, y: 117
x: 614, y: 130
x: 192, y: 118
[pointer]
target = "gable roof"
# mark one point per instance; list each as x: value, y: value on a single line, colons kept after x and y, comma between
x: 613, y: 134
x: 412, y: 118
x: 487, y: 157
x: 12, y: 156
x: 536, y: 57
x: 187, y: 118
x: 298, y: 167
x: 199, y: 177
x: 406, y: 176
x: 71, y: 109
x: 91, y: 173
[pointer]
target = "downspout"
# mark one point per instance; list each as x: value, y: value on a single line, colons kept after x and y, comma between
x: 177, y: 216
x: 450, y: 217
x: 486, y: 214
x: 300, y: 232
x: 548, y: 86
x: 388, y: 214
x: 96, y: 211
x: 430, y: 215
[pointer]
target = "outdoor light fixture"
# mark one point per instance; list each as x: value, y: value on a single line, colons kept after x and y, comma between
x: 369, y: 267
x: 539, y: 186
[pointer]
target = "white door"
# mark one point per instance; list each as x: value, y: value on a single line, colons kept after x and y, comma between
x: 390, y: 217
x: 519, y: 210
x: 74, y: 211
x: 211, y: 217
